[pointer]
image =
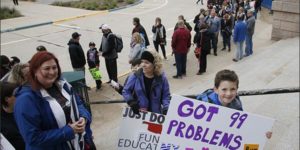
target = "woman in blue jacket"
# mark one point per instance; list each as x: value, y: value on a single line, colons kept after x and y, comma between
x: 48, y: 114
x: 148, y: 88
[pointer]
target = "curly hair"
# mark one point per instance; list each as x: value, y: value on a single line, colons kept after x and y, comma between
x: 158, y: 66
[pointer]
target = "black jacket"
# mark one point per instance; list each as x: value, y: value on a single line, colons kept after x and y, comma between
x: 205, y: 44
x: 141, y: 29
x: 76, y: 54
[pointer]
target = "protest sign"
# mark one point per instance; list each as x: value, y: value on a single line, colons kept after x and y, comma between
x: 140, y: 131
x: 196, y: 125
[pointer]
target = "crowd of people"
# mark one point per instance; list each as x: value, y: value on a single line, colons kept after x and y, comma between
x: 40, y: 110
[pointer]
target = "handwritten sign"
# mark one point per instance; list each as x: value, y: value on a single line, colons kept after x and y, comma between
x: 196, y: 125
x: 140, y: 131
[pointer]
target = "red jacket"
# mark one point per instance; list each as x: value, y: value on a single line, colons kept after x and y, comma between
x: 181, y: 41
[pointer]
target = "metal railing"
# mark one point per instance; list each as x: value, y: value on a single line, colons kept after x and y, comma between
x: 240, y: 93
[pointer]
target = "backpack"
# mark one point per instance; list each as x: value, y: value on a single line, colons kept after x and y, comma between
x: 118, y: 43
x: 91, y: 55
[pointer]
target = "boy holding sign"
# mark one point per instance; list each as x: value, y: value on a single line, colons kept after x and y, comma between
x: 93, y: 62
x: 224, y: 92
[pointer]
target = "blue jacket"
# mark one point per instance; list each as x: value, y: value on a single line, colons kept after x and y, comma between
x: 37, y: 123
x: 240, y: 30
x: 159, y: 96
x: 213, y: 23
x: 213, y: 98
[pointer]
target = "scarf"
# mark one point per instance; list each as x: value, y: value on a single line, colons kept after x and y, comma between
x: 77, y: 142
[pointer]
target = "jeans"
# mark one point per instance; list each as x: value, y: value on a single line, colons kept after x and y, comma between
x: 239, y: 50
x: 214, y: 41
x: 226, y: 40
x: 180, y: 63
x: 249, y: 45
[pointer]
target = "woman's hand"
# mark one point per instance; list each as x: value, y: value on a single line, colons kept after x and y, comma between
x: 79, y: 126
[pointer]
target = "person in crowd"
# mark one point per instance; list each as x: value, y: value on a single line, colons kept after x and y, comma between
x: 214, y: 25
x: 93, y: 61
x: 159, y: 36
x: 225, y: 92
x: 226, y: 31
x: 148, y: 88
x: 239, y: 36
x: 5, y: 65
x: 257, y: 7
x: 57, y: 118
x: 241, y: 13
x: 76, y: 53
x: 202, y: 39
x: 9, y: 127
x: 181, y: 43
x: 135, y: 66
x: 136, y: 48
x: 250, y: 31
x: 186, y: 24
x: 18, y: 74
x: 140, y: 29
x: 199, y: 19
x: 238, y: 4
x: 109, y: 52
x: 41, y: 48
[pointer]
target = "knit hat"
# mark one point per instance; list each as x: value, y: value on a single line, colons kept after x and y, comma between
x: 147, y: 56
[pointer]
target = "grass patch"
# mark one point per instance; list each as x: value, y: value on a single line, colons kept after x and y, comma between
x: 95, y: 4
x: 6, y: 13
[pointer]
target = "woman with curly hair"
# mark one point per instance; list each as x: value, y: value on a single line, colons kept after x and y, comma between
x: 148, y: 88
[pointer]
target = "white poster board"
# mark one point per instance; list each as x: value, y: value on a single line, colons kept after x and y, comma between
x: 140, y: 131
x: 196, y: 125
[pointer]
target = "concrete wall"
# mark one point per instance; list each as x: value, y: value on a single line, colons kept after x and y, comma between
x: 285, y: 19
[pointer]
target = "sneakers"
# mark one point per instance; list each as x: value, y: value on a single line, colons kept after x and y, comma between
x: 223, y: 49
x: 215, y: 54
x: 234, y: 60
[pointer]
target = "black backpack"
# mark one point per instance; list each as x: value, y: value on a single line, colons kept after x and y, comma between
x: 118, y: 43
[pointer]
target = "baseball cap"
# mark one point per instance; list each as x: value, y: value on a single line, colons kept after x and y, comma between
x: 104, y: 27
x: 75, y: 35
x: 41, y: 48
